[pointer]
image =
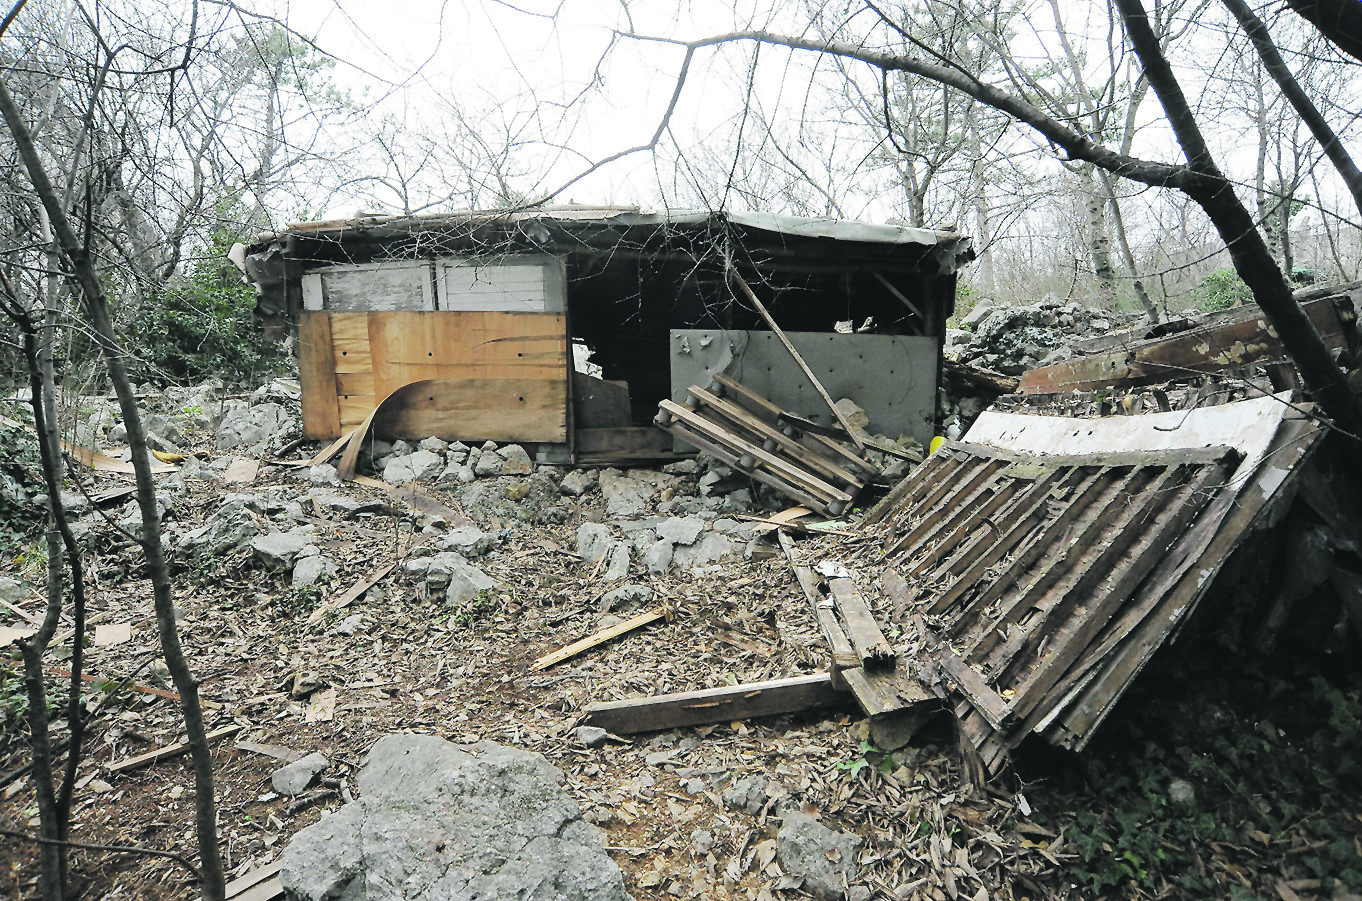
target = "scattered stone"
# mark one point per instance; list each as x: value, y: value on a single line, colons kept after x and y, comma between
x: 853, y: 413
x: 618, y: 566
x: 517, y: 491
x: 452, y: 575
x: 489, y: 446
x: 470, y: 541
x: 702, y: 841
x: 410, y: 467
x: 278, y: 550
x: 490, y: 464
x: 517, y: 461
x: 577, y: 482
x: 710, y: 549
x: 438, y: 821
x: 434, y: 445
x: 824, y: 858
x: 351, y: 624
x: 592, y: 736
x: 230, y: 527
x: 460, y: 473
x: 1181, y: 791
x: 593, y: 541
x: 625, y: 497
x: 12, y: 590
x: 323, y: 474
x: 310, y: 570
x: 681, y: 530
x: 747, y: 794
x: 253, y: 428
x: 624, y: 596
x: 297, y: 776
x: 681, y: 467
x: 658, y: 557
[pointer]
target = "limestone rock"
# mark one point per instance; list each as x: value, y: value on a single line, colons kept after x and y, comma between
x: 577, y: 482
x: 624, y: 596
x: 253, y: 428
x: 681, y: 530
x: 517, y: 461
x: 490, y: 464
x: 625, y: 497
x: 230, y: 527
x: 441, y: 822
x: 618, y: 566
x: 824, y: 858
x: 658, y: 557
x: 297, y: 776
x: 310, y: 570
x: 593, y: 541
x: 278, y: 550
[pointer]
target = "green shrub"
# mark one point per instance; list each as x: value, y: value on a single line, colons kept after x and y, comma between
x: 1221, y: 290
x: 201, y: 326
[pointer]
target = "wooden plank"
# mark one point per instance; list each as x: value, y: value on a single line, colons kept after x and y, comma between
x: 487, y: 408
x: 872, y: 648
x: 886, y: 691
x: 642, y: 442
x: 971, y: 684
x: 813, y: 379
x: 270, y: 890
x: 1206, y: 349
x: 956, y: 503
x: 961, y: 527
x: 843, y: 654
x: 353, y: 384
x: 317, y: 376
x: 1066, y: 644
x: 325, y: 454
x: 716, y: 705
x: 1182, y: 577
x: 255, y: 877
x: 597, y: 638
x: 169, y: 751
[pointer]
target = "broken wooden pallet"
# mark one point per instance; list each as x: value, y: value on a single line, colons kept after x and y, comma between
x: 740, y: 427
x: 1044, y: 582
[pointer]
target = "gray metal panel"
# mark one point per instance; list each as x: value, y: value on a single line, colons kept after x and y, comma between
x: 892, y: 377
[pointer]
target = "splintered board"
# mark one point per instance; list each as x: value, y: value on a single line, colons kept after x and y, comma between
x: 504, y: 375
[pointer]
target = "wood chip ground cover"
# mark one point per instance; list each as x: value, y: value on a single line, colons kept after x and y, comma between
x: 410, y: 663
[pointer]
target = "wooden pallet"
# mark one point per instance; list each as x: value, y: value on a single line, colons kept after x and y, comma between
x: 745, y: 430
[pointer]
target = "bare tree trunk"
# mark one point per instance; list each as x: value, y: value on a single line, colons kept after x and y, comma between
x: 1118, y: 222
x: 92, y: 294
x: 983, y: 226
x: 1099, y: 244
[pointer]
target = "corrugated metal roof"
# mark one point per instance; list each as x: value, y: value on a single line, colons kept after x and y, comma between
x: 630, y: 217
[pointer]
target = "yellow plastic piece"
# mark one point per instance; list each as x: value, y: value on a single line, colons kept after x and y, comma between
x: 936, y: 443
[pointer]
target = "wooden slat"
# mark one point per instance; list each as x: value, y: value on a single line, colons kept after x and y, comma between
x: 317, y: 377
x: 879, y: 692
x: 843, y: 654
x: 714, y: 449
x: 958, y: 503
x: 716, y: 705
x: 972, y: 685
x: 1083, y: 624
x: 167, y: 752
x: 762, y: 458
x: 597, y: 638
x: 260, y: 874
x: 816, y: 442
x: 764, y: 431
x: 871, y: 646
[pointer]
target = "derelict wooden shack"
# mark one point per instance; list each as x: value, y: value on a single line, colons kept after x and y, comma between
x: 563, y: 328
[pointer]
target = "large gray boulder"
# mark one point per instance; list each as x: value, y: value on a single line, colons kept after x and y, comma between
x: 230, y: 527
x: 823, y: 857
x: 440, y: 822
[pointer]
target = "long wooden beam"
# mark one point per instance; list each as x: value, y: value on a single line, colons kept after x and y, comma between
x: 716, y: 705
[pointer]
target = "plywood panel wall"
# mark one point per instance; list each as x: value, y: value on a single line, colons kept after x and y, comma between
x: 513, y: 368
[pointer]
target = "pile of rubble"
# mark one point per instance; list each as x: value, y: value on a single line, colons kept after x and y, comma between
x: 1012, y: 339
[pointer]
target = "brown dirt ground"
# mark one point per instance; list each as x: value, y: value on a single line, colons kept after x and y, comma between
x: 417, y: 665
